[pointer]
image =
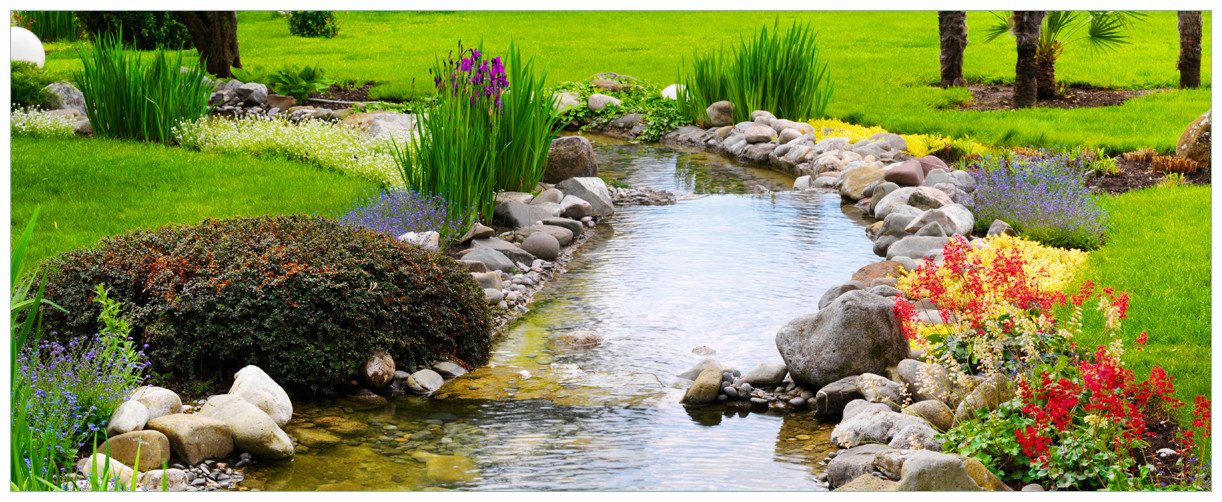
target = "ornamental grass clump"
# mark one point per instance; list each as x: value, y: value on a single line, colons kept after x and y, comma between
x: 396, y: 212
x: 489, y: 130
x: 780, y: 71
x: 1043, y: 196
x: 130, y: 96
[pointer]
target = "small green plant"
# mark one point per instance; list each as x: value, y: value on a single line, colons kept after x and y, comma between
x: 660, y: 115
x: 29, y: 86
x: 49, y: 25
x: 131, y: 97
x: 313, y: 23
x: 299, y: 83
x: 780, y: 71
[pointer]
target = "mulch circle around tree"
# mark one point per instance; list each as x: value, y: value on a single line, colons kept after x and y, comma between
x: 1138, y: 175
x: 1000, y: 97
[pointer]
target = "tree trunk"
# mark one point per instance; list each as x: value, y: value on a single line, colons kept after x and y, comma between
x: 1026, y: 35
x: 215, y: 35
x: 1190, y: 49
x: 952, y: 30
x: 1046, y: 78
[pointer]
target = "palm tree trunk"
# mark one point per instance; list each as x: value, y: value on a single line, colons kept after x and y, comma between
x: 1190, y: 49
x: 1046, y: 80
x: 1026, y: 35
x: 215, y: 35
x: 952, y: 31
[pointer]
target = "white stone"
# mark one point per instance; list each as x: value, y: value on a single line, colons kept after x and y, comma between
x: 257, y: 387
x: 24, y: 45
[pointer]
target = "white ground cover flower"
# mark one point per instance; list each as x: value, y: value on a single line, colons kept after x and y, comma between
x: 41, y: 124
x: 329, y: 145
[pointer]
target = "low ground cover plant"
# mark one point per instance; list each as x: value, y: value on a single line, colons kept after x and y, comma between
x: 659, y: 114
x: 306, y: 295
x: 299, y: 83
x: 1080, y: 419
x: 29, y: 86
x: 1042, y: 194
x: 488, y: 130
x: 330, y: 146
x: 40, y: 124
x: 779, y: 70
x: 131, y: 96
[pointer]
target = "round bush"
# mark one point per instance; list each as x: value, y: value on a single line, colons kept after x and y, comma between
x: 29, y: 87
x: 313, y: 23
x: 305, y: 298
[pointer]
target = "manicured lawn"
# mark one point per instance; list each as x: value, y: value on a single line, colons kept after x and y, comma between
x: 1158, y: 250
x: 93, y: 188
x: 883, y: 63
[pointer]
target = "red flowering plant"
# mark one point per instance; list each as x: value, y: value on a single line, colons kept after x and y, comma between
x: 1079, y: 420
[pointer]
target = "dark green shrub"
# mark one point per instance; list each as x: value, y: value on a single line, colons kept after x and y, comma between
x: 313, y: 23
x: 29, y: 86
x: 305, y: 298
x: 144, y: 30
x: 133, y: 97
x: 50, y: 25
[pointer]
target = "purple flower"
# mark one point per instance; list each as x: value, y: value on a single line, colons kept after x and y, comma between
x: 1043, y: 196
x: 396, y: 212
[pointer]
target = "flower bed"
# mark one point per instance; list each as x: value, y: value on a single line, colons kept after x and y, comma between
x: 41, y: 124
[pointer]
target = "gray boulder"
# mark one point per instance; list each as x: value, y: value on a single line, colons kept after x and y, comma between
x: 514, y: 253
x: 878, y: 389
x: 194, y: 438
x: 766, y: 375
x: 932, y: 471
x: 549, y: 195
x: 68, y: 95
x: 597, y: 102
x: 256, y: 387
x: 576, y: 208
x: 953, y: 218
x: 592, y: 190
x: 542, y: 245
x: 834, y: 292
x: 759, y: 134
x: 570, y: 157
x: 872, y: 425
x: 572, y: 225
x: 425, y: 382
x: 253, y: 431
x: 159, y: 401
x: 851, y: 463
x: 491, y: 258
x: 927, y: 381
x: 834, y: 397
x: 1000, y: 228
x: 916, y: 437
x: 514, y: 214
x: 915, y: 246
x: 448, y: 369
x: 720, y: 114
x: 856, y: 333
x: 252, y: 94
x: 705, y: 364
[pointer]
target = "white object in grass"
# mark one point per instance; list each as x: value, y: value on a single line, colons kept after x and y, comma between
x: 25, y: 46
x: 672, y: 91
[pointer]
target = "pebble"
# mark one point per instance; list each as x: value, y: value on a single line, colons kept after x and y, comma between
x: 730, y: 392
x: 759, y: 401
x: 797, y: 401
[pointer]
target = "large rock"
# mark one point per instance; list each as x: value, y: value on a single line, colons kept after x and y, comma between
x: 129, y: 416
x: 854, y: 182
x: 929, y: 198
x: 515, y: 253
x: 834, y: 397
x: 834, y: 292
x: 720, y: 114
x: 592, y: 190
x: 934, y: 411
x: 378, y: 370
x: 856, y: 333
x: 570, y: 157
x: 194, y: 438
x: 705, y: 389
x: 152, y: 447
x: 1195, y: 142
x: 159, y: 401
x: 874, y: 425
x: 927, y: 381
x: 597, y: 102
x: 252, y: 94
x: 953, y: 218
x: 932, y: 471
x: 915, y: 246
x: 425, y: 382
x: 906, y: 174
x: 256, y: 387
x: 69, y: 96
x: 930, y: 162
x: 878, y: 389
x: 543, y: 245
x: 575, y: 208
x: 878, y: 270
x: 449, y: 369
x: 563, y: 101
x: 253, y: 431
x: 170, y: 480
x: 551, y: 195
x: 916, y: 437
x: 869, y: 483
x: 515, y: 215
x: 105, y: 469
x: 849, y: 464
x: 572, y: 225
x: 759, y: 134
x: 490, y: 258
x: 988, y: 395
x: 766, y: 375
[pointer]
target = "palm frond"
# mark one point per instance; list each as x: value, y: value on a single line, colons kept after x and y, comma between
x: 1000, y: 25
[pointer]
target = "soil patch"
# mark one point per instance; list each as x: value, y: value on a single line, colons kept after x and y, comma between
x: 1000, y: 97
x: 1137, y: 175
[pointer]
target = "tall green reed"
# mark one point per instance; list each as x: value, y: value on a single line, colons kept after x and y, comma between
x: 488, y: 130
x: 131, y: 97
x: 779, y: 70
x: 51, y: 25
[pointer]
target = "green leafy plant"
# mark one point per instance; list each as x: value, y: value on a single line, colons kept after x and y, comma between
x: 29, y: 86
x: 305, y: 295
x: 129, y: 96
x: 49, y: 25
x: 142, y: 30
x: 299, y: 83
x: 780, y: 71
x: 313, y: 23
x: 659, y: 115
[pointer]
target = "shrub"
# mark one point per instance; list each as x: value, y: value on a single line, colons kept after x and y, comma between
x: 330, y: 146
x: 127, y: 96
x: 40, y: 124
x: 396, y: 212
x: 489, y: 129
x: 660, y: 115
x: 306, y: 297
x: 142, y: 30
x: 29, y: 86
x: 313, y: 23
x: 779, y: 71
x: 1042, y: 196
x: 299, y: 83
x: 50, y: 25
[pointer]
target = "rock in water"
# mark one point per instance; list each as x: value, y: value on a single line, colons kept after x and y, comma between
x: 256, y: 387
x: 766, y: 375
x: 570, y: 157
x: 379, y: 370
x: 253, y: 431
x: 705, y: 389
x: 592, y: 190
x: 856, y: 333
x: 425, y: 382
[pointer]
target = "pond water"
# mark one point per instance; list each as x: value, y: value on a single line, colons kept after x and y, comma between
x: 722, y: 269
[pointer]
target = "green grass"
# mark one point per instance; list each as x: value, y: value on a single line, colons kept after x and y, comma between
x: 93, y: 188
x: 1158, y: 250
x: 882, y: 62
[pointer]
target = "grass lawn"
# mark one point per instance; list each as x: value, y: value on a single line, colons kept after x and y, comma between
x: 93, y: 188
x: 883, y: 63
x: 1158, y: 250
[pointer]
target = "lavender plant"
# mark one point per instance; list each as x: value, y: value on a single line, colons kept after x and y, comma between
x: 1043, y: 195
x: 396, y: 212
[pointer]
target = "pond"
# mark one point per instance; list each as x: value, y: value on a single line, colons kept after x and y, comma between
x: 722, y: 270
